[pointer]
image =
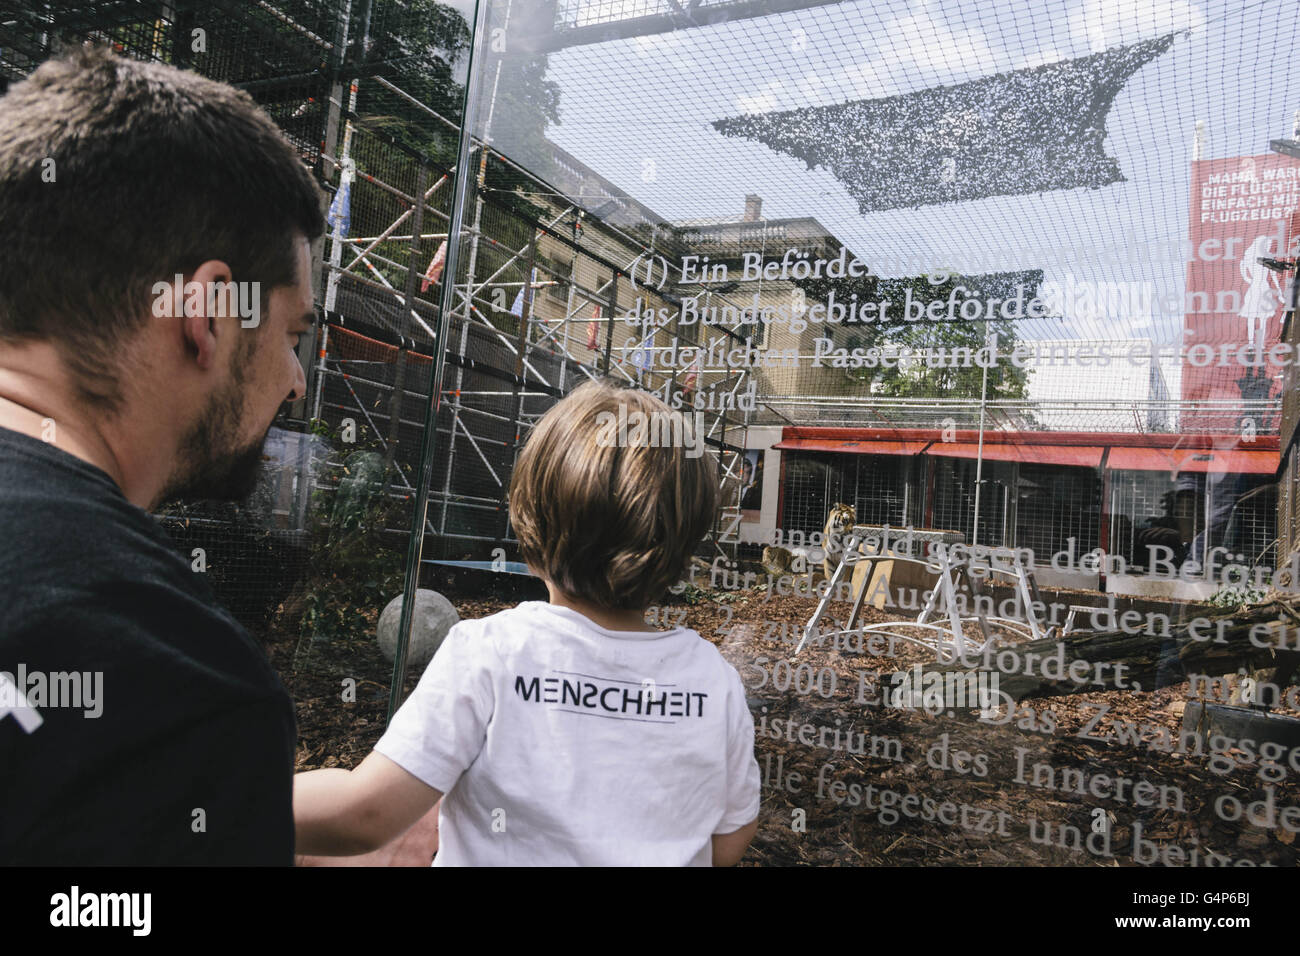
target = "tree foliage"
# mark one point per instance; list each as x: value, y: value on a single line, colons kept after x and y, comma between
x: 951, y: 371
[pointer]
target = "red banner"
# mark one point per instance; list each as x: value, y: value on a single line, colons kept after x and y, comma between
x: 1241, y: 211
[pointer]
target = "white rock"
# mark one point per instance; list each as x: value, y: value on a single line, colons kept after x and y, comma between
x: 433, y: 618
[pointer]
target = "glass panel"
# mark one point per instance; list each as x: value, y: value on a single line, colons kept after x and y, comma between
x: 986, y: 313
x: 956, y: 275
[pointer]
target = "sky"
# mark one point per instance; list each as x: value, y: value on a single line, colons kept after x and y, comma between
x: 640, y: 112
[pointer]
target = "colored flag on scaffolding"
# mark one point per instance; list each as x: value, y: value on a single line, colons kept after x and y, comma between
x: 518, y: 307
x: 645, y: 352
x: 436, y: 265
x: 593, y: 328
x: 692, y: 377
x: 340, y: 212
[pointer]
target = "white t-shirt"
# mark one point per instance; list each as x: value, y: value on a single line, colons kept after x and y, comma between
x: 558, y: 742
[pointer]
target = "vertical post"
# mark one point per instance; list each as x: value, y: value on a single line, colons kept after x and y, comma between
x: 1107, y: 510
x: 182, y: 18
x: 928, y: 476
x: 470, y: 273
x: 1006, y: 512
x: 304, y: 460
x: 568, y: 318
x: 522, y: 344
x: 979, y: 455
x: 609, y: 323
x: 331, y: 137
x: 455, y: 417
x: 336, y: 245
x: 320, y: 371
x: 408, y: 305
x: 780, y: 492
x: 1205, y: 524
x: 905, y: 472
x: 429, y: 440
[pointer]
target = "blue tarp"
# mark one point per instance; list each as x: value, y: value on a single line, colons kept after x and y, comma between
x: 504, y: 567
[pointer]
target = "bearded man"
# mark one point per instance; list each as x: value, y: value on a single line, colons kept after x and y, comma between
x: 139, y: 723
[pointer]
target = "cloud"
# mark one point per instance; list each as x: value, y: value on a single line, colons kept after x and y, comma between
x: 912, y: 51
x: 1041, y: 57
x: 1101, y: 24
x: 767, y: 99
x: 932, y: 47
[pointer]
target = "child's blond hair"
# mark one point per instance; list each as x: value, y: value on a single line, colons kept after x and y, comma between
x: 610, y: 522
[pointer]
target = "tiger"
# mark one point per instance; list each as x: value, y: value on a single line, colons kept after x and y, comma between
x: 839, y: 522
x: 777, y: 561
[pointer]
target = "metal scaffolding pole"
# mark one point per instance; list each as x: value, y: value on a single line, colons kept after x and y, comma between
x: 979, y: 456
x: 399, y: 378
x: 467, y: 132
x: 429, y: 442
x: 525, y: 320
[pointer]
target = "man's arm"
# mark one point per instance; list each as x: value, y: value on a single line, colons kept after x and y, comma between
x: 728, y: 848
x: 346, y: 812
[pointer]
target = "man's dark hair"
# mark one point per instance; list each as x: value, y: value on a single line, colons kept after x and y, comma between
x: 116, y: 174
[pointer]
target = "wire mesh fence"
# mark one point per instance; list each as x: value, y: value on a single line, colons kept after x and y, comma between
x: 829, y: 254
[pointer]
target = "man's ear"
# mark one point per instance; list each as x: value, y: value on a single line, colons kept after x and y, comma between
x: 202, y: 323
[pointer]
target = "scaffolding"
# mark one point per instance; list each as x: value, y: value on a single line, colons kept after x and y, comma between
x: 549, y: 303
x: 542, y: 273
x: 560, y: 262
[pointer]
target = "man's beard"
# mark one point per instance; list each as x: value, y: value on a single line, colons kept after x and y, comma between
x: 212, y: 466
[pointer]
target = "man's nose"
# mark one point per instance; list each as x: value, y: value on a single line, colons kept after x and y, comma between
x: 299, y: 390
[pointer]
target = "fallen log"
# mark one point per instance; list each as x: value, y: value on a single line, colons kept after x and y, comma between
x: 1222, y: 644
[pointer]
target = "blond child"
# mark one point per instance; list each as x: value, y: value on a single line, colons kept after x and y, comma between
x: 568, y: 733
